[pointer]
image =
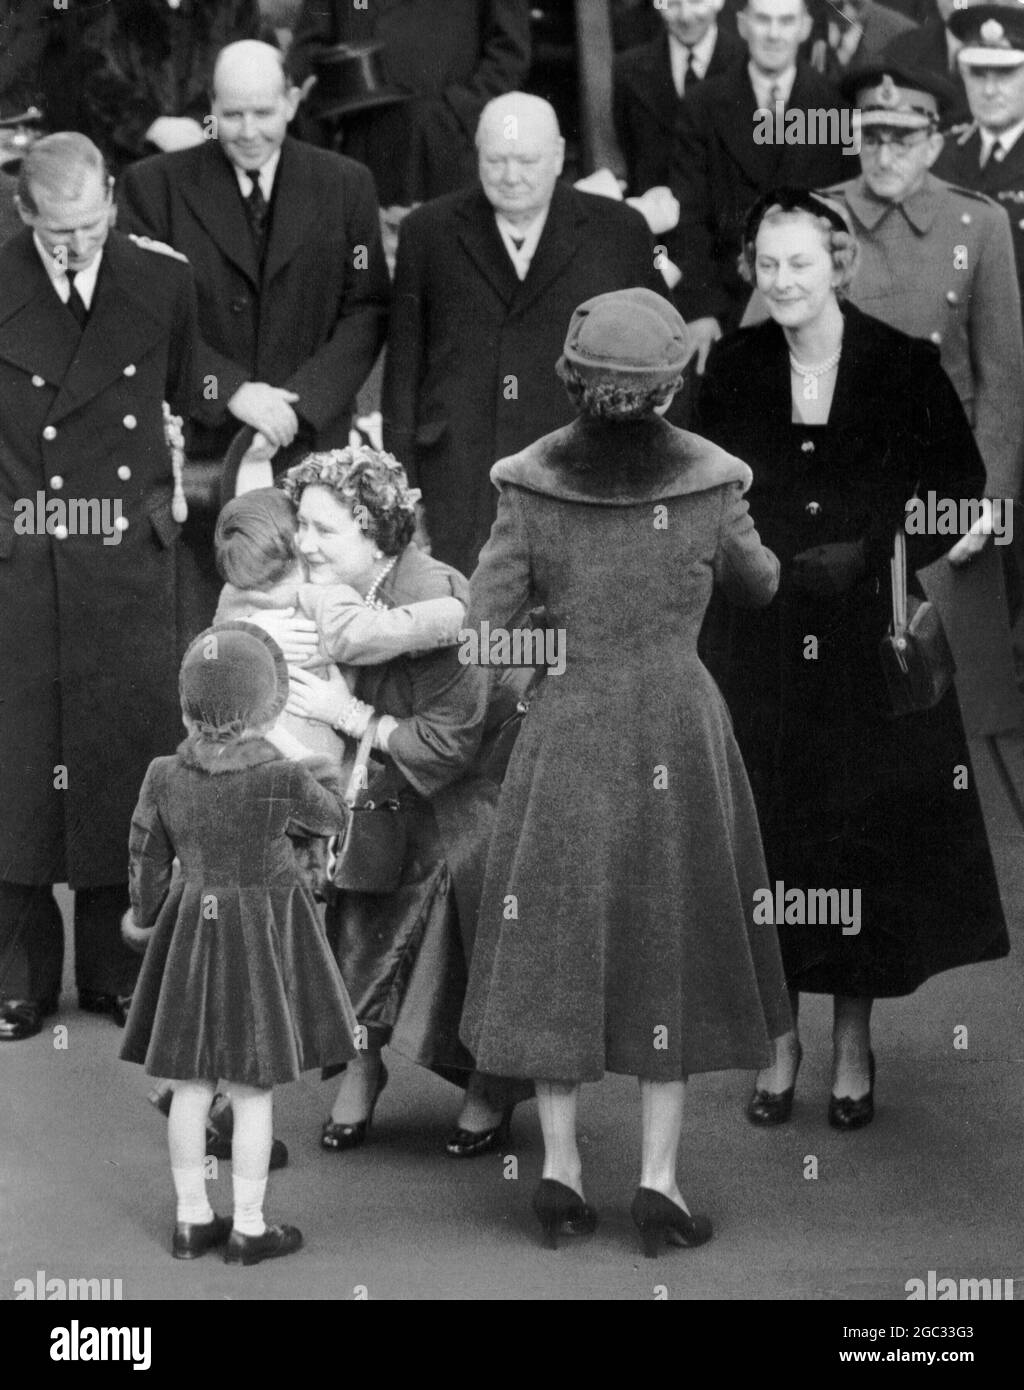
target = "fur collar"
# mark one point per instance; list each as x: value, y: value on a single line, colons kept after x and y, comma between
x: 620, y: 464
x: 236, y: 756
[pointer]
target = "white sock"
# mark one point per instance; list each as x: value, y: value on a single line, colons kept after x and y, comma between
x: 190, y: 1185
x: 248, y: 1194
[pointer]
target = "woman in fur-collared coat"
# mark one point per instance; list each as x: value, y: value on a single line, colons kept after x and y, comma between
x: 615, y: 930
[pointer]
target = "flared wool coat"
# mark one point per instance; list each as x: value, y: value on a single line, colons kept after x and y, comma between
x: 616, y: 925
x: 238, y: 982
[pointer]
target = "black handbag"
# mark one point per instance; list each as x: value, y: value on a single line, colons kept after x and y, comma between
x: 916, y: 658
x: 369, y: 856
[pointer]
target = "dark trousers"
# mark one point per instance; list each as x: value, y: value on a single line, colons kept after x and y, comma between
x: 32, y: 942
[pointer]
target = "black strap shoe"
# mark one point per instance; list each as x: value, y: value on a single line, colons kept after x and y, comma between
x: 847, y: 1113
x: 251, y: 1250
x: 190, y: 1241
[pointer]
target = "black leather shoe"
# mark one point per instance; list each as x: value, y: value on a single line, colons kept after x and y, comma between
x: 337, y: 1138
x: 218, y: 1146
x: 561, y: 1211
x: 844, y: 1113
x: 250, y: 1250
x: 191, y: 1241
x: 115, y: 1006
x: 658, y: 1218
x: 471, y: 1143
x: 774, y: 1107
x: 23, y: 1018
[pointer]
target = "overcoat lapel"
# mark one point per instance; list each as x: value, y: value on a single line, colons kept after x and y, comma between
x: 651, y: 83
x: 560, y: 241
x: 734, y: 106
x: 294, y: 210
x: 479, y: 237
x: 37, y: 333
x: 216, y: 201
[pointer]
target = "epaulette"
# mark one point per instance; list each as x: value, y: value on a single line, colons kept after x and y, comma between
x: 148, y: 244
x: 962, y: 133
x: 972, y: 193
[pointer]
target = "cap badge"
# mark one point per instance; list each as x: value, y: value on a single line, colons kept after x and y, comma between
x: 887, y: 93
x: 992, y: 32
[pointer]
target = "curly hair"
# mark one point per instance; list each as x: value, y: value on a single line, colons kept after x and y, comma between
x: 612, y: 397
x: 370, y: 482
x: 841, y: 245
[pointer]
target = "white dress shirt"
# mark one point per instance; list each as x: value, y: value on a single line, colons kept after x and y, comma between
x: 85, y: 280
x: 763, y: 84
x: 265, y: 175
x: 702, y: 51
x: 521, y: 256
x: 1004, y: 139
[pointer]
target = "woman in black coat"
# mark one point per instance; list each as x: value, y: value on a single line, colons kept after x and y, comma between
x: 842, y: 420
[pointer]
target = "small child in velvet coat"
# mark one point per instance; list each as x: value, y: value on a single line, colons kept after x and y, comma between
x: 238, y: 984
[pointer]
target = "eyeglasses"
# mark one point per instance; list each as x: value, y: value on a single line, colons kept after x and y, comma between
x: 899, y: 144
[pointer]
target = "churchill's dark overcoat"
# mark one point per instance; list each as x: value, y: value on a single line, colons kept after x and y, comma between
x: 850, y: 797
x: 88, y: 649
x: 615, y: 928
x: 469, y: 374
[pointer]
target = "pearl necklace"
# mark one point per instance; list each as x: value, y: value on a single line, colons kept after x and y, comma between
x: 810, y: 374
x: 370, y: 598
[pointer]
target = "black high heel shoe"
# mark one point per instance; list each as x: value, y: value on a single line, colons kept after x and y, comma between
x: 657, y: 1216
x: 774, y: 1107
x: 338, y: 1137
x: 562, y: 1212
x: 471, y: 1143
x: 845, y: 1113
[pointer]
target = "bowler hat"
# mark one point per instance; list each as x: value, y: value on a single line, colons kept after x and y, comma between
x: 233, y: 677
x: 632, y: 333
x: 350, y: 78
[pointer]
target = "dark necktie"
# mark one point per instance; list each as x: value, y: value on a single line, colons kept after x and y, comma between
x: 689, y: 72
x: 517, y: 241
x: 256, y: 210
x: 75, y: 301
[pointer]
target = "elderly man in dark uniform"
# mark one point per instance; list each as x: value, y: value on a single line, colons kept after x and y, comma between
x: 937, y: 260
x: 989, y: 154
x: 486, y: 282
x: 719, y: 168
x: 449, y: 57
x: 96, y: 333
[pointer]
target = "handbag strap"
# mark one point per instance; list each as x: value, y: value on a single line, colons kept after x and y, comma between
x: 899, y: 582
x: 357, y: 782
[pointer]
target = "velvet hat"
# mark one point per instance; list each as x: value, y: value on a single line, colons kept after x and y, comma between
x: 634, y: 336
x: 233, y: 677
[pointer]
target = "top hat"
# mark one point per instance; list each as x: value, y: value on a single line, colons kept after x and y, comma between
x: 992, y: 35
x: 632, y: 333
x: 892, y: 94
x: 233, y: 677
x: 350, y: 78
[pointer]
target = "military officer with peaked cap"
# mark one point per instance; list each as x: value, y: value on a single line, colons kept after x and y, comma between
x: 96, y: 332
x: 937, y: 260
x: 988, y: 154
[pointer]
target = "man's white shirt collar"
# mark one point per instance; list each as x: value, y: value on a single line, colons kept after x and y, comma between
x: 763, y: 83
x: 1006, y: 138
x: 85, y: 280
x: 702, y: 51
x: 265, y: 174
x: 529, y: 236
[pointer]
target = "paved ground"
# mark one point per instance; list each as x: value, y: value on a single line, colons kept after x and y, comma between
x: 934, y: 1184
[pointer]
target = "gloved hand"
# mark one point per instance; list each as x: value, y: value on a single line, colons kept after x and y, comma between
x: 133, y: 935
x: 827, y: 571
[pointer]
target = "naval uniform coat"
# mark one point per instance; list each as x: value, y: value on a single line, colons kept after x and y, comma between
x: 645, y: 104
x: 848, y: 796
x: 88, y: 650
x: 719, y: 172
x: 1001, y: 180
x: 470, y: 369
x: 312, y: 320
x: 618, y: 897
x: 939, y: 265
